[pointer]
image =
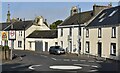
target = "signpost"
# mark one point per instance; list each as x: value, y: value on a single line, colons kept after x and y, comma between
x: 12, y: 37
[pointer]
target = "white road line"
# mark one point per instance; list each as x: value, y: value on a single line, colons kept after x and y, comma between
x: 74, y: 60
x: 43, y: 56
x: 99, y: 61
x: 92, y: 70
x: 82, y: 65
x: 32, y: 67
x: 65, y: 67
x: 94, y: 66
x: 54, y: 59
x: 20, y: 66
x: 66, y: 59
x: 82, y: 60
x: 91, y: 61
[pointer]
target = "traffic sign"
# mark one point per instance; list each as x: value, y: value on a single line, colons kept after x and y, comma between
x: 12, y: 35
x: 4, y: 35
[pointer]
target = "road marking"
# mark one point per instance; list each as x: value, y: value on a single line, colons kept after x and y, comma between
x: 99, y: 61
x: 20, y: 66
x: 32, y: 67
x: 92, y: 70
x: 65, y: 67
x: 82, y: 60
x: 91, y: 61
x: 82, y: 65
x: 74, y: 60
x: 66, y: 59
x: 94, y: 66
x: 54, y: 59
x: 43, y: 56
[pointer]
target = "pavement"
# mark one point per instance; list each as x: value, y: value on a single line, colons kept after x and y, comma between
x: 33, y: 62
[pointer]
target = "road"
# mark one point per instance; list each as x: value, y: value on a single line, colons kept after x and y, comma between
x: 40, y: 62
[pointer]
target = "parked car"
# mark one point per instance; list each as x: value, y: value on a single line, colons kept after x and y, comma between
x: 56, y: 50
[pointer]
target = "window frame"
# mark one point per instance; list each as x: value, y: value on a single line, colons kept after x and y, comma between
x: 87, y: 33
x: 61, y: 32
x: 113, y: 49
x: 19, y: 44
x: 113, y: 32
x: 99, y: 32
x: 87, y: 48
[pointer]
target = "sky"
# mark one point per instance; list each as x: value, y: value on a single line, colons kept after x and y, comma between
x: 51, y: 11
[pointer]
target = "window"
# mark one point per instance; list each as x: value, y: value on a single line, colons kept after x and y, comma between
x: 113, y: 13
x: 56, y: 43
x: 61, y: 31
x: 99, y: 33
x: 70, y: 32
x: 19, y: 44
x: 101, y: 19
x: 113, y: 32
x: 113, y: 49
x: 87, y: 32
x: 102, y: 15
x: 30, y: 44
x: 87, y: 47
x: 20, y: 33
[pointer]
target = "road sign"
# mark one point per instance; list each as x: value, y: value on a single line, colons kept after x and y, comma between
x: 4, y: 35
x: 12, y: 35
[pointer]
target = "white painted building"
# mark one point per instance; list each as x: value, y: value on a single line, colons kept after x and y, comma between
x: 70, y: 32
x: 23, y: 29
x: 42, y: 40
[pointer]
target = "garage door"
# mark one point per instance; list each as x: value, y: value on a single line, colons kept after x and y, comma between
x: 38, y: 46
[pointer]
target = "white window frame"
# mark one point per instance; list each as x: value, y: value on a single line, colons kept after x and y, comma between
x: 113, y: 49
x: 61, y: 34
x: 99, y: 32
x: 113, y: 32
x: 111, y: 14
x: 87, y: 49
x: 87, y: 32
x: 19, y: 44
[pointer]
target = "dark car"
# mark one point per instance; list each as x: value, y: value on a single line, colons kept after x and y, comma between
x: 56, y: 50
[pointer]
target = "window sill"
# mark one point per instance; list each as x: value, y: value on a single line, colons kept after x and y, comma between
x: 112, y: 54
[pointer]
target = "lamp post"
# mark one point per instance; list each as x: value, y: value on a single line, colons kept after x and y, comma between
x: 24, y: 33
x: 79, y: 32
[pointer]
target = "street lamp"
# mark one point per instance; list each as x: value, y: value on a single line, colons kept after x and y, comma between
x: 24, y: 33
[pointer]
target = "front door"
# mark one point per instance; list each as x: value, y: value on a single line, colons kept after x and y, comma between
x: 46, y: 46
x: 99, y: 49
x: 70, y: 46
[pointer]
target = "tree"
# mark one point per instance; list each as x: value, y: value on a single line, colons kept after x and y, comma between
x: 55, y: 24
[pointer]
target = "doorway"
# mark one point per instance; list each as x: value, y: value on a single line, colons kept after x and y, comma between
x: 99, y: 49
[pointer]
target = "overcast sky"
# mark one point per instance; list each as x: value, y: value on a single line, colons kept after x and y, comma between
x: 51, y: 11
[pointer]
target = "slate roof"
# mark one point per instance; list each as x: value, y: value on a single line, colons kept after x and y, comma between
x: 113, y: 20
x: 19, y: 25
x: 4, y: 25
x: 84, y: 16
x: 48, y: 34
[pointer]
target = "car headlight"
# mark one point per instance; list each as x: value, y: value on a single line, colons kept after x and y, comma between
x: 58, y: 51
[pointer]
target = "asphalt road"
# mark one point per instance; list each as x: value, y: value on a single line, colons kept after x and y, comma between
x: 38, y: 62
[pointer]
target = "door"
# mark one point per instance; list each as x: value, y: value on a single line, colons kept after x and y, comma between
x: 38, y: 46
x: 99, y: 49
x: 46, y: 46
x: 70, y: 46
